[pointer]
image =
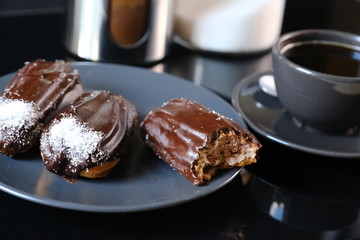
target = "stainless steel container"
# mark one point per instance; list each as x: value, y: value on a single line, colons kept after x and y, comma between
x: 124, y: 31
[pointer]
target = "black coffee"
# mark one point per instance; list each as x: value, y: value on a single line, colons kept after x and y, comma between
x: 326, y: 58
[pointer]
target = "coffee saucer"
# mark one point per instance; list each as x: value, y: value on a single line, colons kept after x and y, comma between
x: 265, y: 115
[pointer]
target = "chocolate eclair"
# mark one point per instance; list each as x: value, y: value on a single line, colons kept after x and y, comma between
x: 196, y: 141
x: 35, y: 94
x: 88, y: 137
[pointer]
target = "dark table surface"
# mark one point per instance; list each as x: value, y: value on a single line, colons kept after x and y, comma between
x: 286, y: 195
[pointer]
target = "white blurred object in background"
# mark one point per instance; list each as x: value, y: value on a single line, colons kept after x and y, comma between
x: 228, y: 26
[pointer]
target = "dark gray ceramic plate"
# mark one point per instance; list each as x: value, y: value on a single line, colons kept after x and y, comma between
x: 141, y: 181
x: 267, y: 116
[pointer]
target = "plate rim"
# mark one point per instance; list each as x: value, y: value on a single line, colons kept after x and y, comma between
x: 103, y: 208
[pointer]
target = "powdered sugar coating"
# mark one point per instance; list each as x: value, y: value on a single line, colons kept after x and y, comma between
x: 16, y: 117
x: 72, y: 139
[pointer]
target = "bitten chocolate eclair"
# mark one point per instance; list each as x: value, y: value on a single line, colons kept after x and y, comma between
x: 36, y: 93
x: 196, y: 141
x: 88, y: 137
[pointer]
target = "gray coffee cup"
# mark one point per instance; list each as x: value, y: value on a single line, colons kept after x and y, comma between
x: 317, y: 77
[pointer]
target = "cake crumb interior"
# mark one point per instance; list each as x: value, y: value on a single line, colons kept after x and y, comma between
x: 227, y: 151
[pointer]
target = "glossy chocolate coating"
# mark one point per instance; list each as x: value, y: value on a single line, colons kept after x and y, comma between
x: 178, y: 129
x: 49, y: 86
x: 111, y: 115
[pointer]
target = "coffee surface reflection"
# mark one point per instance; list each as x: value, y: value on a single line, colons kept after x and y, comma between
x: 326, y: 57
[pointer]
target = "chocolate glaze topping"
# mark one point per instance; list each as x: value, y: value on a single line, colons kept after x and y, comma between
x: 46, y: 86
x: 177, y: 131
x: 100, y: 126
